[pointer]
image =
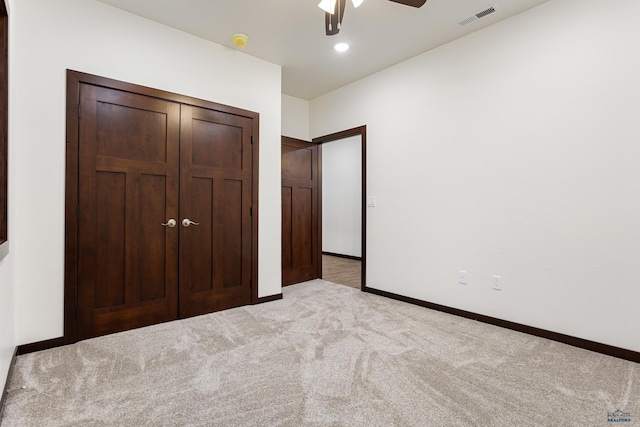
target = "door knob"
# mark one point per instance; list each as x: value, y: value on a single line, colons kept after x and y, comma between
x: 171, y: 223
x: 187, y: 222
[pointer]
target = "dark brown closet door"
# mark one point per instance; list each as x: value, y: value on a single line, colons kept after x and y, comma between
x: 216, y: 194
x: 128, y: 188
x: 300, y: 258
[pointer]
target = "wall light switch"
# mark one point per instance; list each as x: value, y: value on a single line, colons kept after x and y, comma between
x: 371, y: 202
x: 462, y: 277
x: 497, y: 282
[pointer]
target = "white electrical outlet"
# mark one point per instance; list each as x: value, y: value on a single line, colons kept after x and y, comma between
x: 462, y: 277
x: 371, y: 202
x: 497, y: 282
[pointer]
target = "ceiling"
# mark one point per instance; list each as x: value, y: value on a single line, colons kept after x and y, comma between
x: 291, y: 33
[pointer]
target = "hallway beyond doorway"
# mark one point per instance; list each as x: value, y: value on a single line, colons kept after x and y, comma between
x: 343, y: 271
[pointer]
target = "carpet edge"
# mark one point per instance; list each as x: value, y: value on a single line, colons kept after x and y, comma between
x: 597, y: 347
x: 5, y: 392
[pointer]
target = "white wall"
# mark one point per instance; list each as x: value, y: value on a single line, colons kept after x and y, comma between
x: 295, y: 117
x: 85, y: 35
x: 513, y: 151
x: 342, y: 196
x: 7, y: 318
x: 7, y: 282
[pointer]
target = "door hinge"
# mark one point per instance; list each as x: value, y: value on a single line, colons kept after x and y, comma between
x: 252, y: 139
x: 251, y: 211
x: 78, y: 110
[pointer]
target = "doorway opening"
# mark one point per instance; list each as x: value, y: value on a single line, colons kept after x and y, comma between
x: 342, y: 206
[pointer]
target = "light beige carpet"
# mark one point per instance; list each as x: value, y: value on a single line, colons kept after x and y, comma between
x: 325, y: 355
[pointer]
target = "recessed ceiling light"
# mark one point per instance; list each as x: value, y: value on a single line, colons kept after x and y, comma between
x: 341, y: 47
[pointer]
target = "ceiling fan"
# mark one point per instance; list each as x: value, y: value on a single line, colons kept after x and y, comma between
x: 334, y: 12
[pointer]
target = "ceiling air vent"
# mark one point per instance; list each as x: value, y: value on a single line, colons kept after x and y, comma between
x: 478, y: 15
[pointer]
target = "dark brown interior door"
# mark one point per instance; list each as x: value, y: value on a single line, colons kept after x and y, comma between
x: 165, y: 220
x: 128, y: 188
x: 216, y: 199
x: 300, y: 212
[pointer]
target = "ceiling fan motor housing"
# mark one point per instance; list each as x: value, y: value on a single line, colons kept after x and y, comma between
x: 333, y: 21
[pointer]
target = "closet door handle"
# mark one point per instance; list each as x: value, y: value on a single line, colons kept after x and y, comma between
x: 171, y: 223
x: 187, y: 222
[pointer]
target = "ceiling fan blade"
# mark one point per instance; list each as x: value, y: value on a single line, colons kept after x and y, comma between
x: 333, y: 21
x: 413, y: 3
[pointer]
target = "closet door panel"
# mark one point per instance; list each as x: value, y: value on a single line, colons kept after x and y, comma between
x: 216, y: 194
x: 128, y: 187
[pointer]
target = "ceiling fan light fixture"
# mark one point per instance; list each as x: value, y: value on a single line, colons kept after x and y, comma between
x: 357, y: 3
x: 328, y: 6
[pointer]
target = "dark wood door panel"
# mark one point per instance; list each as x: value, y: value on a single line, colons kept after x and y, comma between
x: 297, y: 162
x: 299, y: 235
x: 303, y: 248
x: 110, y: 240
x: 123, y: 318
x: 121, y: 136
x: 300, y: 211
x: 219, y: 140
x: 230, y: 256
x: 127, y: 261
x: 215, y: 193
x: 216, y: 145
x: 199, y: 259
x: 152, y: 244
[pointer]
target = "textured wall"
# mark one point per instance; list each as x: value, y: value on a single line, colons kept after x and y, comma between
x: 513, y: 152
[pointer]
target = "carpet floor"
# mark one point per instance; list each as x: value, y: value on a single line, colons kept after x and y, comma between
x: 325, y: 355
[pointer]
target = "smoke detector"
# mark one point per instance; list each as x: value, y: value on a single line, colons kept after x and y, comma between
x: 240, y: 40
